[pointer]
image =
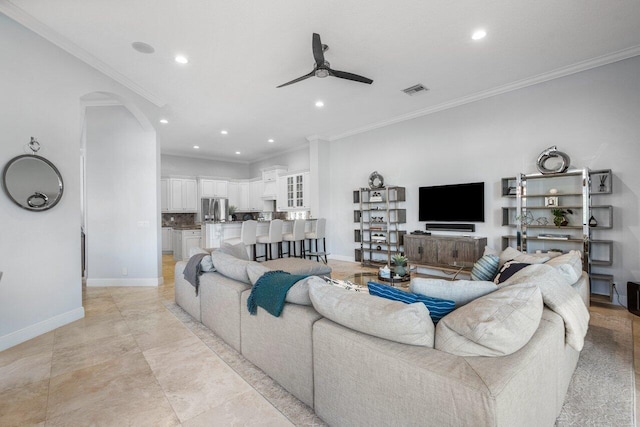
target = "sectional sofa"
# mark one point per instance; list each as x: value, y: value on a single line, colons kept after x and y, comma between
x: 350, y: 377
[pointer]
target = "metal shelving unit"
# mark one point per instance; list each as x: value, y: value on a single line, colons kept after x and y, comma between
x: 380, y: 218
x: 575, y: 189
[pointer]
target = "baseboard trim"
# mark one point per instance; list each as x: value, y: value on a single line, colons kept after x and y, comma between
x: 145, y: 281
x: 25, y: 334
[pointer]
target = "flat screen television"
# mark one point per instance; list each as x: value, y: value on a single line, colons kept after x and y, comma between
x: 452, y: 203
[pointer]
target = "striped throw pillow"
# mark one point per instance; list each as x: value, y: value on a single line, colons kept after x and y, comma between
x: 438, y: 308
x: 485, y: 268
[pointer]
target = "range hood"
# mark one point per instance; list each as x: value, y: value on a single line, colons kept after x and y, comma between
x: 270, y: 190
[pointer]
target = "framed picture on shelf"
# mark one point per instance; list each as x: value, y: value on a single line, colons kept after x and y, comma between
x: 551, y: 201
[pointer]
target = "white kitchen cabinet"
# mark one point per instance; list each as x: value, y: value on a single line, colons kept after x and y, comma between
x: 270, y: 182
x: 256, y: 189
x: 293, y: 192
x: 184, y: 241
x: 214, y: 188
x: 244, y: 189
x: 177, y: 245
x: 232, y: 191
x: 183, y: 195
x: 167, y: 239
x: 164, y: 195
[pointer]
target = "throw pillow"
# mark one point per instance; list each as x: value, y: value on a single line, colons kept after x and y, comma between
x: 437, y: 307
x: 459, y: 291
x: 569, y: 265
x: 485, y: 268
x: 239, y: 250
x: 511, y: 254
x: 391, y: 320
x: 497, y: 324
x: 206, y: 264
x: 508, y: 270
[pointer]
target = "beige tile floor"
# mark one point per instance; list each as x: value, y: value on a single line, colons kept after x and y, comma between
x: 131, y: 362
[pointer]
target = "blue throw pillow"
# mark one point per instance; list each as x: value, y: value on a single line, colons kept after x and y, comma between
x: 438, y: 308
x: 485, y: 268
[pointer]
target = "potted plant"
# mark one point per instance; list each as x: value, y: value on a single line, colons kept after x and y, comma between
x: 559, y: 218
x: 400, y: 262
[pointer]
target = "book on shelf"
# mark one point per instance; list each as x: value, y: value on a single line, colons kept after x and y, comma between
x: 554, y: 236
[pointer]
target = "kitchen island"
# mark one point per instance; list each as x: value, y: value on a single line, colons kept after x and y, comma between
x: 214, y: 233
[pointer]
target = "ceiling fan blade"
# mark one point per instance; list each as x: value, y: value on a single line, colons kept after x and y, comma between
x: 318, y: 53
x: 350, y: 76
x: 299, y: 79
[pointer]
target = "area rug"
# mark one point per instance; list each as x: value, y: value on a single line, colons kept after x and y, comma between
x: 602, y: 390
x: 601, y: 393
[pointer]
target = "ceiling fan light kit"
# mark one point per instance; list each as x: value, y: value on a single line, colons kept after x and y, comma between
x: 322, y: 68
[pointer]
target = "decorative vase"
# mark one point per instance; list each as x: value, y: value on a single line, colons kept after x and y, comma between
x: 558, y: 220
x: 400, y: 270
x: 564, y: 222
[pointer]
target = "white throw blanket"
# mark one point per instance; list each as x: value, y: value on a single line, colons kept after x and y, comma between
x: 560, y: 297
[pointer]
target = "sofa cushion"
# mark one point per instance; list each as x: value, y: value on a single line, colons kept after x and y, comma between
x: 496, y: 324
x: 485, y: 268
x: 255, y: 270
x: 380, y: 317
x: 509, y: 269
x: 568, y: 265
x: 437, y: 307
x: 459, y: 291
x: 239, y: 250
x: 206, y: 264
x: 298, y: 294
x: 299, y: 266
x: 511, y: 254
x: 230, y: 266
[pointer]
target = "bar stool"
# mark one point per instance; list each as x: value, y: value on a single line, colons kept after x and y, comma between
x: 317, y: 234
x: 296, y: 235
x: 274, y: 236
x: 247, y: 236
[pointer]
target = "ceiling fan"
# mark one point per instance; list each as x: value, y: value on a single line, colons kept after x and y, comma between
x: 322, y: 68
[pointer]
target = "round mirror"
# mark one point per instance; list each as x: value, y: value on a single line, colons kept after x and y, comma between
x: 32, y: 182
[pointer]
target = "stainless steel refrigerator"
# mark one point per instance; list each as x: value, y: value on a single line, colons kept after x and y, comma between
x: 215, y: 209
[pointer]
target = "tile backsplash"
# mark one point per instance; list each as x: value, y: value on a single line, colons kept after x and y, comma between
x: 178, y: 219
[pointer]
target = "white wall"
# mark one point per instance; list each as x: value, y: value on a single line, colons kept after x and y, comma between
x: 192, y: 166
x: 121, y: 203
x: 294, y: 160
x: 41, y: 87
x: 592, y: 116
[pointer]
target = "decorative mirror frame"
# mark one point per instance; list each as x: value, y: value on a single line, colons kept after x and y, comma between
x: 37, y: 195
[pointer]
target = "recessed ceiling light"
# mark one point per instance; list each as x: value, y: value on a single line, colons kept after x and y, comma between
x: 237, y: 152
x: 196, y: 146
x: 319, y: 104
x: 271, y: 140
x: 164, y: 121
x: 224, y: 132
x: 478, y: 34
x: 180, y: 59
x: 142, y: 47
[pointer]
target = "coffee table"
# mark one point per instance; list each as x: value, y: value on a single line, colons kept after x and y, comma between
x: 363, y: 277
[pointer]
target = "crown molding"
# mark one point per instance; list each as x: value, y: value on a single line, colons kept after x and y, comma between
x: 31, y: 23
x: 540, y: 78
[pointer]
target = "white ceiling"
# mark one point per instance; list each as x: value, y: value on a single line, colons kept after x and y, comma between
x: 240, y: 51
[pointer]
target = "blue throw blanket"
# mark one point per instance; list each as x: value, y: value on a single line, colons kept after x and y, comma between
x: 270, y: 291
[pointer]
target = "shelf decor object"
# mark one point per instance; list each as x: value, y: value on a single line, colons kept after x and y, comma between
x: 552, y: 155
x: 575, y: 189
x: 376, y: 180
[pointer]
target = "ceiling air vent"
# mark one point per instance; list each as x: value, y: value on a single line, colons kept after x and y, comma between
x: 414, y: 90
